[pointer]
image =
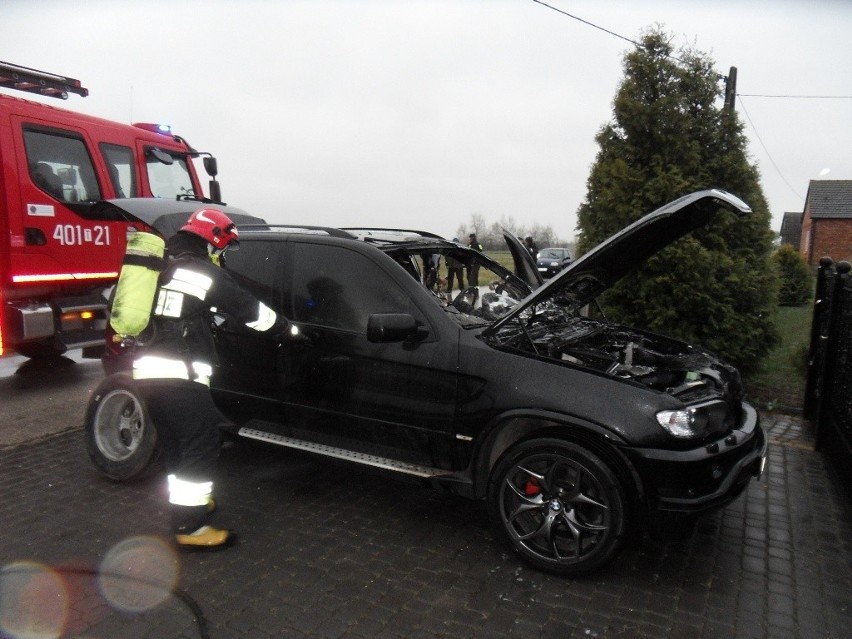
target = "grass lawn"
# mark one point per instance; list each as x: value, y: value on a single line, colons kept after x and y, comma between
x: 780, y: 383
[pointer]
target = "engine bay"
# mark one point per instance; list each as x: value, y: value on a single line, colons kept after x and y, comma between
x: 657, y: 362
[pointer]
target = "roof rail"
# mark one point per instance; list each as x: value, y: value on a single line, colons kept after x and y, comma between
x: 298, y: 228
x: 13, y: 76
x: 370, y: 230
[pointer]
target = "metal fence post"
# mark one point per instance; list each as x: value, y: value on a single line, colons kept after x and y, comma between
x: 820, y: 325
x: 836, y: 403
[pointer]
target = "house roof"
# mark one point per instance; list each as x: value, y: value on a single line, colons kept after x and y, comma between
x: 791, y: 229
x: 830, y: 199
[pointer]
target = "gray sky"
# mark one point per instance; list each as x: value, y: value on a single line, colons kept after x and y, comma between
x: 420, y: 113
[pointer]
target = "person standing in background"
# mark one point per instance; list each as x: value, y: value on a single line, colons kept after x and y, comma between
x: 530, y: 245
x: 473, y: 269
x: 455, y: 270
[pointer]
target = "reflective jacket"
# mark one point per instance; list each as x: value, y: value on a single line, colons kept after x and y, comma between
x: 191, y: 290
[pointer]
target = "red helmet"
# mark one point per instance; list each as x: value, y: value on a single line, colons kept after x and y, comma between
x: 214, y: 226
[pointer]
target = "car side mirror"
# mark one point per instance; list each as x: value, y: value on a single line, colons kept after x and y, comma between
x: 391, y: 327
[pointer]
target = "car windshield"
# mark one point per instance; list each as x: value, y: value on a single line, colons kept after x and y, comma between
x: 486, y: 292
x: 551, y: 254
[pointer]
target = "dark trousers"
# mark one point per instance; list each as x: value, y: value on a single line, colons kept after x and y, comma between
x: 453, y: 273
x: 187, y: 423
x: 473, y: 275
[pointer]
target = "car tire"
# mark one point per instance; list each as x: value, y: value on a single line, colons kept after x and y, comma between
x: 120, y: 438
x: 558, y: 506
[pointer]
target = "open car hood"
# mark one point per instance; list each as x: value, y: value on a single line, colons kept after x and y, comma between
x: 525, y: 266
x: 609, y: 261
x: 166, y: 217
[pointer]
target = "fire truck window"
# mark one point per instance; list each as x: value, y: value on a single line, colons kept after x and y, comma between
x: 60, y: 165
x: 47, y: 180
x: 119, y: 162
x: 169, y: 180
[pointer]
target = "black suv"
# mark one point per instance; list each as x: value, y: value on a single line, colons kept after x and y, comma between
x: 574, y: 430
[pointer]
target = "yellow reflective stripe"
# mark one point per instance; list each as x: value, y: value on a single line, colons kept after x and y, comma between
x: 153, y: 367
x: 189, y: 493
x: 189, y: 282
x: 149, y: 367
x: 265, y: 318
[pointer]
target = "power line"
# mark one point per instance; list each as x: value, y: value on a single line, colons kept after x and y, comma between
x: 638, y: 45
x: 600, y: 28
x: 768, y: 154
x: 801, y: 97
x: 729, y: 78
x: 720, y: 76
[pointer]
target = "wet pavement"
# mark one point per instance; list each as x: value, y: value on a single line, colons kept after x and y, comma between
x: 330, y: 551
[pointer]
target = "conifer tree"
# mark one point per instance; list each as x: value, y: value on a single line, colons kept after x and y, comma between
x: 670, y: 136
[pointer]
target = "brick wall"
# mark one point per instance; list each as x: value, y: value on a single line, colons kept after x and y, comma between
x: 827, y: 237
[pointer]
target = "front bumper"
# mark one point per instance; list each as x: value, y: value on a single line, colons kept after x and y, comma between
x: 707, y: 477
x: 549, y: 271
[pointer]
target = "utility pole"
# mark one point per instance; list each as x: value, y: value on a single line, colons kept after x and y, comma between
x: 731, y: 89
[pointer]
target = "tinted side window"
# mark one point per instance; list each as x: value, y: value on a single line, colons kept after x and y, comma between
x: 60, y: 165
x: 340, y: 288
x: 258, y: 267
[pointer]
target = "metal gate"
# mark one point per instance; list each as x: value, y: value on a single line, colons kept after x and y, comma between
x: 828, y: 394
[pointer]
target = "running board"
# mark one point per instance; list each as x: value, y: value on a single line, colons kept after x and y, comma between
x: 342, y: 453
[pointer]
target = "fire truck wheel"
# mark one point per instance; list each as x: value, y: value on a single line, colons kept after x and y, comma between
x: 120, y: 438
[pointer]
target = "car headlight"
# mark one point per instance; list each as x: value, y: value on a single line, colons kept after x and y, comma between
x: 680, y: 423
x: 554, y: 263
x: 694, y: 421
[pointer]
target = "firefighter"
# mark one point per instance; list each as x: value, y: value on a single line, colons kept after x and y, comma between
x: 173, y: 370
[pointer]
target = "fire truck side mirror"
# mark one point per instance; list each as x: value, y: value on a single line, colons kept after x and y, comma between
x: 210, y: 166
x: 212, y: 170
x: 215, y: 191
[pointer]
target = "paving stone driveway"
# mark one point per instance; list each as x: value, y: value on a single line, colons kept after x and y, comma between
x: 328, y: 551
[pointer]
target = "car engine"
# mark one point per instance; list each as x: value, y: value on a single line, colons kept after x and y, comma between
x: 663, y: 364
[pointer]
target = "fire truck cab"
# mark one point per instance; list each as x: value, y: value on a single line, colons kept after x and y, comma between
x: 58, y: 260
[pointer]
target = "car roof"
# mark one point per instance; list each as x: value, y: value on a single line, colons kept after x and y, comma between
x: 386, y: 240
x: 382, y: 238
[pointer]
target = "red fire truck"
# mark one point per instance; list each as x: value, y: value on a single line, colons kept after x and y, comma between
x: 59, y: 255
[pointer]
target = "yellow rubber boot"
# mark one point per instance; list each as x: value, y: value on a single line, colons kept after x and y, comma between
x: 206, y: 538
